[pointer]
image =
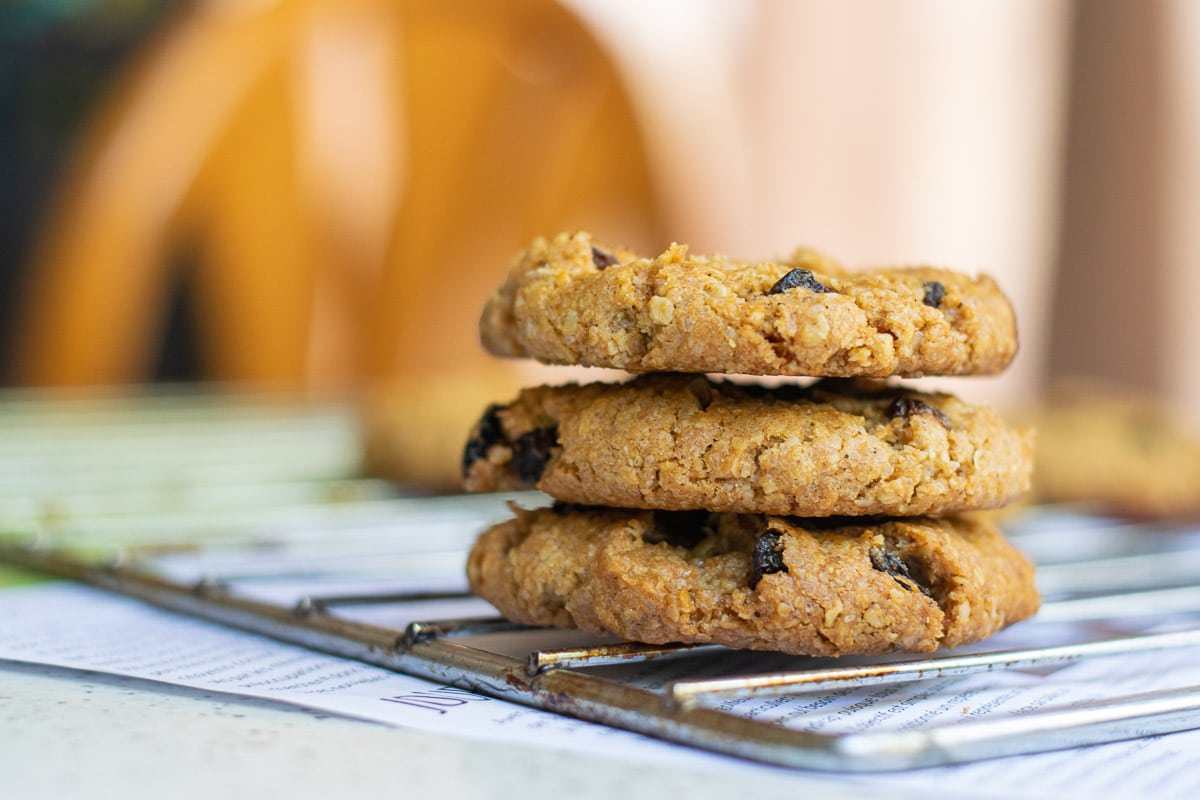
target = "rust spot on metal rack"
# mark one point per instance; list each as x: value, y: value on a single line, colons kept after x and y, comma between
x: 516, y: 683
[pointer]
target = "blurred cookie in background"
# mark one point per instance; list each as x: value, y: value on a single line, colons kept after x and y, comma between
x: 1117, y: 451
x: 411, y: 430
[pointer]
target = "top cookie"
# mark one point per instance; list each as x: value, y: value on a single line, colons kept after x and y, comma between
x: 569, y: 300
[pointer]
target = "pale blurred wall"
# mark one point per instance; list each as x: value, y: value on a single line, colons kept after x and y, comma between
x: 1129, y: 272
x: 1181, y: 187
x: 1128, y: 276
x: 1111, y: 282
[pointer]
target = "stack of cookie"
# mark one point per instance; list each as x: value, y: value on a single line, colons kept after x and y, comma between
x: 814, y: 518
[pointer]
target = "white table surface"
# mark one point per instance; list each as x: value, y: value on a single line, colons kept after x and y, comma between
x: 67, y: 733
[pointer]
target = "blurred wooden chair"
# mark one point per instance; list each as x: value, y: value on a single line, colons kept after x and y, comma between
x: 348, y: 179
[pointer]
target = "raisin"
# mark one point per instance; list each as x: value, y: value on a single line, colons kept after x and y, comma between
x: 768, y: 556
x: 702, y: 390
x: 531, y: 452
x: 681, y: 528
x: 934, y: 292
x: 893, y: 565
x: 798, y: 278
x: 904, y: 407
x: 488, y: 433
x: 601, y: 259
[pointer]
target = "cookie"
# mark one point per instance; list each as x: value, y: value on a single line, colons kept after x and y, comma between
x: 679, y: 442
x: 1117, y: 453
x: 570, y: 300
x: 822, y: 588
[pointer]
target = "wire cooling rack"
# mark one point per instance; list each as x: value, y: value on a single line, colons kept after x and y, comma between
x: 249, y: 514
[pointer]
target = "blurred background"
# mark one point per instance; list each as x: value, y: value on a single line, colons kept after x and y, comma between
x: 319, y: 194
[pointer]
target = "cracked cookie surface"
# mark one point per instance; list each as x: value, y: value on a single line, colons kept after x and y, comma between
x: 678, y: 442
x: 807, y: 587
x: 570, y: 300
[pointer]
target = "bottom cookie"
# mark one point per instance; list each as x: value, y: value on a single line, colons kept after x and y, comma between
x: 807, y: 587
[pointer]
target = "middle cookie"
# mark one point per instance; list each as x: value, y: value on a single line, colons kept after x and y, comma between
x: 679, y: 442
